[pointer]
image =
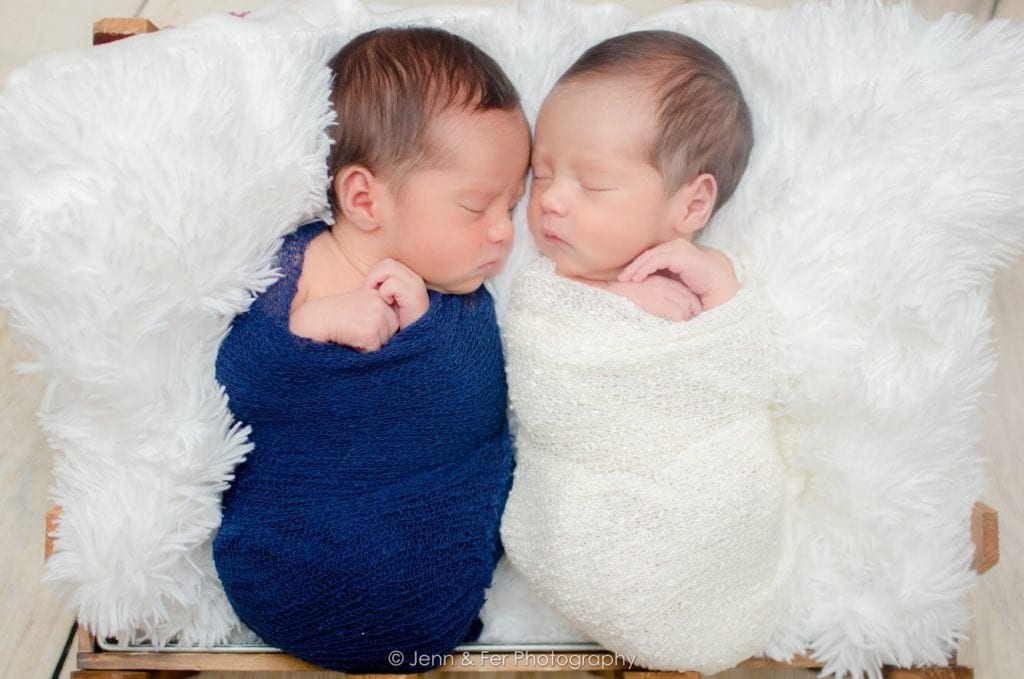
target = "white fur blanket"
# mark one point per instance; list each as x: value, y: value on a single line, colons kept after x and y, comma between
x: 649, y: 501
x: 145, y: 185
x: 135, y: 221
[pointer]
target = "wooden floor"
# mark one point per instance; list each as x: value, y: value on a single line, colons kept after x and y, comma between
x: 33, y: 625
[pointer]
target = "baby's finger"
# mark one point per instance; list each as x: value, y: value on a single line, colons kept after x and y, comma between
x: 691, y: 303
x: 648, y: 263
x: 385, y: 269
x: 696, y: 308
x: 680, y: 310
x: 375, y: 277
x: 642, y: 264
x: 371, y: 344
x: 401, y: 297
x: 390, y: 292
x: 680, y: 300
x: 391, y: 322
x: 634, y: 268
x: 393, y: 268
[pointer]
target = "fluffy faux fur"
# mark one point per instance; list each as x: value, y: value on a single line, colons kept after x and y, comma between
x: 145, y: 185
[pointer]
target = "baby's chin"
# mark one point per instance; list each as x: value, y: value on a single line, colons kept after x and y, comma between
x: 567, y: 268
x: 459, y: 288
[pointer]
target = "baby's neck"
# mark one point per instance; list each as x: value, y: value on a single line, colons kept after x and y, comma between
x: 599, y: 280
x: 356, y: 251
x: 597, y: 283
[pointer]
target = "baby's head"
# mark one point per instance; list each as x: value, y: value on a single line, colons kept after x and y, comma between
x: 638, y: 143
x: 430, y: 154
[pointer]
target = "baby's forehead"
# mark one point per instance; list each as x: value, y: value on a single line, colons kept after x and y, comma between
x: 605, y: 105
x: 606, y: 90
x: 480, y: 150
x: 612, y: 112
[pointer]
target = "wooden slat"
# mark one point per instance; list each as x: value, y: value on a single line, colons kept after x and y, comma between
x: 279, y: 662
x: 798, y: 662
x: 86, y: 641
x: 469, y: 661
x: 985, y: 535
x: 51, y: 529
x: 111, y: 29
x: 950, y: 672
x: 169, y: 660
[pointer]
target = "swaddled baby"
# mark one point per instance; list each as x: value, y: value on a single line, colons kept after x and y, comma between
x: 362, y: 530
x: 648, y: 504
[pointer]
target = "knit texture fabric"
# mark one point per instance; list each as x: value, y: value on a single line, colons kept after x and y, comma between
x: 365, y: 521
x: 649, y: 504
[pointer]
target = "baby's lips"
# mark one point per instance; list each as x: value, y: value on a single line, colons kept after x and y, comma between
x: 499, y: 265
x: 551, y: 237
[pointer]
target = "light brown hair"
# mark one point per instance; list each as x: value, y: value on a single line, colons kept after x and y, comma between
x: 390, y: 84
x: 703, y: 124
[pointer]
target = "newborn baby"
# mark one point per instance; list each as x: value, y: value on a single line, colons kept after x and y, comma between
x: 648, y: 505
x: 362, y: 530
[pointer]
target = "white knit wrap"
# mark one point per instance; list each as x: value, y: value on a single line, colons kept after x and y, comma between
x: 649, y: 504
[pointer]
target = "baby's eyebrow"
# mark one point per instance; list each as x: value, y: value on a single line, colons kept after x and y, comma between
x: 588, y: 163
x: 487, y: 193
x: 480, y: 187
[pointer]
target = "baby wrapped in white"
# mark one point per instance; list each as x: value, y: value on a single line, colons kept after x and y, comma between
x: 649, y: 503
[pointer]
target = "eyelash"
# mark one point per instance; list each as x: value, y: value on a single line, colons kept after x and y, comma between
x: 480, y: 212
x: 594, y: 189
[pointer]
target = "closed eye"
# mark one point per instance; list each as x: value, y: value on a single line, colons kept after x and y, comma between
x: 469, y: 209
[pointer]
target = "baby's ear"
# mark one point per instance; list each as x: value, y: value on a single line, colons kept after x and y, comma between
x: 694, y: 203
x: 356, y: 190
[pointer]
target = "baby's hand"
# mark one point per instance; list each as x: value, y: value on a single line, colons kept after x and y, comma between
x: 660, y: 296
x: 705, y: 271
x: 360, y: 319
x: 400, y: 288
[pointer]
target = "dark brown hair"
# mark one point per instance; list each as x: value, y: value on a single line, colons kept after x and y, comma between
x: 703, y: 123
x: 390, y: 84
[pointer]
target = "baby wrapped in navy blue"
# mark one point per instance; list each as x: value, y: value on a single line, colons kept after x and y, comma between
x: 365, y: 521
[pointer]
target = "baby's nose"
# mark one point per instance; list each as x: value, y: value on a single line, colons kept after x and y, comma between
x: 551, y: 198
x: 502, y: 229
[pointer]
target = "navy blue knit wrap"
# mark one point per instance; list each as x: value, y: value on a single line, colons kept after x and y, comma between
x: 365, y: 521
